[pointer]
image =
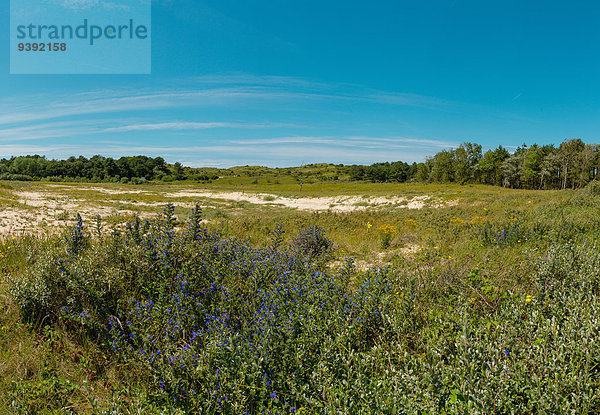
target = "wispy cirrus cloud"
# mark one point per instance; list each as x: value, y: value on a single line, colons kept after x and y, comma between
x: 237, y: 117
x: 187, y: 126
x: 48, y: 150
x: 278, y: 151
x: 224, y: 92
x: 283, y: 151
x: 66, y: 129
x: 37, y: 108
x: 47, y: 131
x: 387, y: 143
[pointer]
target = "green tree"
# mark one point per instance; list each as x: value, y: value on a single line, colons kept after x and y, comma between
x: 443, y: 169
x: 489, y: 168
x: 178, y: 172
x: 570, y: 151
x: 511, y: 170
x: 550, y: 170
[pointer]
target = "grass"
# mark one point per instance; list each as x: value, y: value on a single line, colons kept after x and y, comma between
x: 478, y: 304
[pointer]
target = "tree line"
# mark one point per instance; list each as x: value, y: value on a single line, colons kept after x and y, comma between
x: 573, y: 164
x: 137, y: 169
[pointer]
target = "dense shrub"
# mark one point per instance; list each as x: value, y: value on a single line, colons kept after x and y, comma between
x: 219, y: 323
x: 16, y: 177
x: 313, y: 244
x: 224, y: 327
x: 593, y: 187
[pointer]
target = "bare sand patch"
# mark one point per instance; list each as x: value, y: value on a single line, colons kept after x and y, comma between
x: 100, y: 189
x: 40, y: 220
x: 38, y: 212
x: 410, y: 249
x: 50, y: 207
x: 333, y: 203
x: 380, y: 260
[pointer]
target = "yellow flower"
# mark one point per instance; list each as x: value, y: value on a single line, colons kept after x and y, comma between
x: 435, y: 247
x: 387, y: 229
x: 369, y: 225
x: 410, y: 222
x: 528, y: 299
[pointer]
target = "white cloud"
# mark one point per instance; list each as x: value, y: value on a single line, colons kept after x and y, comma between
x: 292, y: 154
x: 279, y: 151
x: 95, y: 117
x: 65, y: 129
x: 47, y: 131
x: 351, y: 141
x: 187, y: 126
x: 9, y: 150
x: 234, y: 91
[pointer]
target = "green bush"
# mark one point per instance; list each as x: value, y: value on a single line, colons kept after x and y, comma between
x: 593, y: 187
x: 224, y: 327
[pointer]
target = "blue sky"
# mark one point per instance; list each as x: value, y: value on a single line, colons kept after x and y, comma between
x: 295, y: 82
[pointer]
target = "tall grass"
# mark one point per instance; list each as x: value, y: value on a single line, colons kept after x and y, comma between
x: 167, y: 316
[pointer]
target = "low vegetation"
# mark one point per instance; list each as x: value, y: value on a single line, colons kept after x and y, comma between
x: 486, y: 305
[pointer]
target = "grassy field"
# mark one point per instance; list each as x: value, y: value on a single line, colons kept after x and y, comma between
x: 329, y: 298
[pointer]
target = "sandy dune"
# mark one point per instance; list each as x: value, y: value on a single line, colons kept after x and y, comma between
x: 51, y: 207
x: 335, y: 203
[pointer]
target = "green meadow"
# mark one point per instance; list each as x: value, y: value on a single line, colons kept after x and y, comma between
x: 266, y: 295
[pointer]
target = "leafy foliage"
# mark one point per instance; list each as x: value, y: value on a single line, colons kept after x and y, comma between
x: 572, y: 164
x: 224, y: 327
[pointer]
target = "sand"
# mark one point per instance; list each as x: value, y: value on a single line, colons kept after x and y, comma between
x: 49, y: 209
